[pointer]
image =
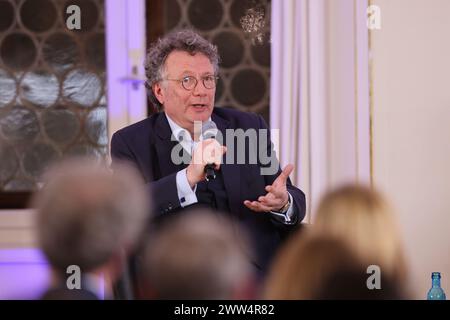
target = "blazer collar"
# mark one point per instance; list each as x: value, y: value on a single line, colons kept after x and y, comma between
x: 162, y: 127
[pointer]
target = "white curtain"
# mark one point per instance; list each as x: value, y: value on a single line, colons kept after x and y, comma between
x: 319, y: 92
x: 285, y: 95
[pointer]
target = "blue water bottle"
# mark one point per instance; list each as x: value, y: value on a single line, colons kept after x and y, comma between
x: 436, y: 292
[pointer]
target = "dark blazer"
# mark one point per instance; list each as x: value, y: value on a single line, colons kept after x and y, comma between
x: 147, y: 144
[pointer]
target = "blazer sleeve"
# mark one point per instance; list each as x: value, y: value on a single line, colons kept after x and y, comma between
x: 163, y: 191
x: 298, y: 197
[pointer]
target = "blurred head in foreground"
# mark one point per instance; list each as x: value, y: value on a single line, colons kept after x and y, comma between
x: 89, y: 217
x: 365, y: 221
x: 314, y: 266
x: 197, y: 256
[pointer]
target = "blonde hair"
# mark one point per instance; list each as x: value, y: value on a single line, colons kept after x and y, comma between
x: 305, y: 263
x: 365, y: 221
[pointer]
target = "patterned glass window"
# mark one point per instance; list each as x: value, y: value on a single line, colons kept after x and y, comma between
x: 52, y: 87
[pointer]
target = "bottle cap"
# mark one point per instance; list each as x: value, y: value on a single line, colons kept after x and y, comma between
x: 436, y: 275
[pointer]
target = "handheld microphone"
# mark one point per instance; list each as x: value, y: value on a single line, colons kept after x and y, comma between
x: 209, y: 131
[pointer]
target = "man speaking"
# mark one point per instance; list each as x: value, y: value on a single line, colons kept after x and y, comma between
x: 181, y: 71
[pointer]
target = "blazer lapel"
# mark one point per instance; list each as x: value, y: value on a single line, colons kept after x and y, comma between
x: 164, y: 146
x: 231, y: 172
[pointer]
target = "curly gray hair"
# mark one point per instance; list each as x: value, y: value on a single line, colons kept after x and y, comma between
x: 182, y: 40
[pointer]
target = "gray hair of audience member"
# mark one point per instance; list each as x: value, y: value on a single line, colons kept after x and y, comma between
x: 198, y: 255
x: 181, y: 40
x: 86, y: 214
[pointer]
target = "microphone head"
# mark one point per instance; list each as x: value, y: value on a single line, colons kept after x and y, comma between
x: 209, y: 130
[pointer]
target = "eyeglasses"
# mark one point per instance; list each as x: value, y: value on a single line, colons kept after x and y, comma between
x: 189, y: 82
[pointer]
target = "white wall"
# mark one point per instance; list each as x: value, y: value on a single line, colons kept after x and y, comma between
x: 411, y: 132
x: 24, y: 272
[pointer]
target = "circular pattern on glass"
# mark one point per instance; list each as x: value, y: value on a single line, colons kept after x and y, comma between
x: 230, y: 47
x: 18, y: 51
x: 38, y: 15
x: 261, y: 52
x: 95, y: 51
x: 248, y: 87
x: 82, y: 87
x: 219, y: 89
x: 9, y: 162
x: 7, y: 88
x: 85, y: 149
x: 172, y: 14
x: 37, y: 158
x: 6, y: 15
x: 205, y: 14
x: 96, y: 126
x: 61, y: 125
x: 89, y: 14
x: 39, y: 88
x: 19, y: 124
x: 237, y: 10
x: 60, y: 51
